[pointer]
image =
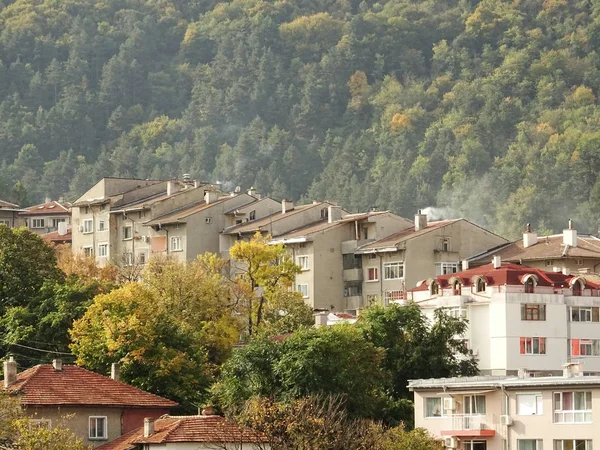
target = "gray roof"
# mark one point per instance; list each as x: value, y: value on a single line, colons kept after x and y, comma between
x: 496, y: 382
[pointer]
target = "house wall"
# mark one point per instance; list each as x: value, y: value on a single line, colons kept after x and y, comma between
x: 133, y: 418
x: 262, y: 208
x: 574, y: 265
x: 12, y: 217
x: 48, y: 222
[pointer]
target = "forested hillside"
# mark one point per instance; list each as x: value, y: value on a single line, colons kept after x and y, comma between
x: 488, y: 109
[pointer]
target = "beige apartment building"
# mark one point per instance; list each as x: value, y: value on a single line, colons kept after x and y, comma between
x: 511, y: 413
x: 332, y: 276
x: 398, y: 261
x: 568, y: 251
x: 47, y: 217
x: 9, y: 214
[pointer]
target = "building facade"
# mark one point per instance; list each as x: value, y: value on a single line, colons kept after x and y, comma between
x: 511, y: 413
x: 426, y: 249
x: 9, y: 214
x: 520, y: 317
x: 47, y: 217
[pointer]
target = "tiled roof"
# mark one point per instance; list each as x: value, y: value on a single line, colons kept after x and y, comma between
x: 507, y: 274
x: 5, y: 204
x: 186, y: 211
x: 58, y: 238
x: 74, y: 385
x: 547, y: 247
x: 404, y: 235
x: 192, y: 429
x: 47, y: 209
x: 255, y: 225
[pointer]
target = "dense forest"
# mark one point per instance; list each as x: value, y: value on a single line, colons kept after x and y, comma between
x: 486, y: 109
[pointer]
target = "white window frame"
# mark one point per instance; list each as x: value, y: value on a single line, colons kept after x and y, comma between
x: 179, y: 246
x: 88, y: 249
x: 537, y: 444
x: 392, y: 295
x: 303, y: 290
x: 446, y: 268
x: 104, y: 436
x: 56, y: 221
x: 142, y: 259
x: 125, y: 237
x: 473, y: 406
x: 302, y: 261
x: 538, y: 408
x: 390, y: 267
x: 456, y: 311
x: 425, y: 408
x: 88, y: 226
x: 5, y: 222
x: 376, y: 279
x: 128, y: 258
x: 559, y: 444
x: 103, y: 254
x: 102, y: 225
x: 562, y: 416
x: 38, y: 223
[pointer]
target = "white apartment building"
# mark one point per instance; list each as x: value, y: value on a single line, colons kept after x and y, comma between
x: 47, y: 217
x: 511, y: 413
x: 520, y: 317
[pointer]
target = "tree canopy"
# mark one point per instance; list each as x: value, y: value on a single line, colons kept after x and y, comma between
x: 488, y: 108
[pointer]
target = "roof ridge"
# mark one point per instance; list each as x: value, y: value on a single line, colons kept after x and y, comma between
x: 172, y: 428
x: 34, y: 370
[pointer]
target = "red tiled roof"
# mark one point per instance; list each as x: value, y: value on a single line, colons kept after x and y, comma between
x: 404, y: 235
x: 195, y: 429
x: 50, y: 208
x: 74, y: 385
x: 507, y: 274
x: 58, y: 238
x: 5, y: 204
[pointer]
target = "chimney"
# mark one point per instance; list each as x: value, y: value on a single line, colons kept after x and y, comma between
x: 420, y: 221
x: 148, y: 427
x: 10, y: 372
x: 529, y: 238
x: 252, y: 192
x: 172, y: 187
x: 497, y: 261
x: 286, y: 206
x: 62, y: 228
x: 321, y: 319
x: 61, y: 200
x: 465, y: 264
x: 187, y: 178
x: 208, y: 411
x: 57, y: 364
x: 570, y: 235
x: 334, y: 213
x: 115, y: 371
x: 572, y: 369
x: 47, y: 200
x: 210, y: 197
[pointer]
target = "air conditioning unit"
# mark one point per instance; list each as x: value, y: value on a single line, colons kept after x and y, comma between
x: 506, y: 421
x: 450, y: 442
x: 449, y: 404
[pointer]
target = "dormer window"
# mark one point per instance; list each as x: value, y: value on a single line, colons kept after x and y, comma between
x: 529, y: 286
x: 479, y: 283
x: 456, y: 288
x: 577, y: 286
x: 324, y: 213
x: 434, y: 288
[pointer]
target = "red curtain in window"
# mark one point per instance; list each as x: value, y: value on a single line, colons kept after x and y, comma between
x: 522, y: 346
x: 574, y: 347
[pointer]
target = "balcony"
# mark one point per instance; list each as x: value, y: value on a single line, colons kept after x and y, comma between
x: 349, y: 246
x: 353, y: 302
x: 352, y: 275
x: 467, y: 425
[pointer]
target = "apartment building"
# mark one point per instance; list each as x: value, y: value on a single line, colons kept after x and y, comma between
x: 124, y: 221
x: 511, y: 413
x: 47, y: 217
x: 568, y: 251
x: 9, y: 214
x: 332, y: 275
x: 520, y: 317
x: 398, y: 261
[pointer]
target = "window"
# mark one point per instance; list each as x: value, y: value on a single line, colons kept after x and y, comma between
x: 529, y: 405
x: 5, y: 222
x: 176, y: 244
x: 456, y: 288
x: 579, y: 262
x: 529, y: 286
x: 372, y: 274
x: 98, y: 427
x: 372, y: 256
x: 480, y: 287
x: 303, y: 289
x: 88, y: 226
x: 529, y: 444
x: 573, y: 444
x: 142, y: 258
x: 474, y: 445
x: 84, y: 210
x: 302, y: 261
x: 38, y: 223
x: 434, y: 288
x: 585, y: 314
x: 127, y: 232
x: 351, y: 261
x: 456, y: 312
x: 573, y: 407
x: 103, y: 250
x: 533, y: 311
x: 208, y: 220
x: 446, y: 268
x: 533, y: 346
x: 433, y: 407
x: 128, y: 259
x: 252, y: 215
x: 88, y: 251
x: 101, y: 225
x: 392, y: 296
x: 474, y: 404
x: 55, y: 222
x: 549, y: 262
x: 446, y: 245
x: 393, y: 271
x: 372, y: 298
x: 365, y: 230
x: 141, y: 214
x: 324, y: 213
x: 584, y: 347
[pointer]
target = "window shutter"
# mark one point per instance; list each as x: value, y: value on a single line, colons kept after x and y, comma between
x: 522, y: 346
x: 574, y: 347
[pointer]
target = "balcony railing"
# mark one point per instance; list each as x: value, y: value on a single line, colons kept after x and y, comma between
x: 467, y: 425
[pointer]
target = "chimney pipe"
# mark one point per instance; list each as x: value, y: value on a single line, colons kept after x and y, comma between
x: 321, y: 319
x: 148, y: 427
x: 529, y: 237
x: 57, y: 364
x: 210, y: 197
x: 570, y: 235
x: 334, y: 214
x: 497, y: 261
x: 465, y: 264
x: 10, y: 372
x: 286, y: 206
x: 208, y: 411
x: 47, y: 200
x: 420, y: 221
x: 115, y: 371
